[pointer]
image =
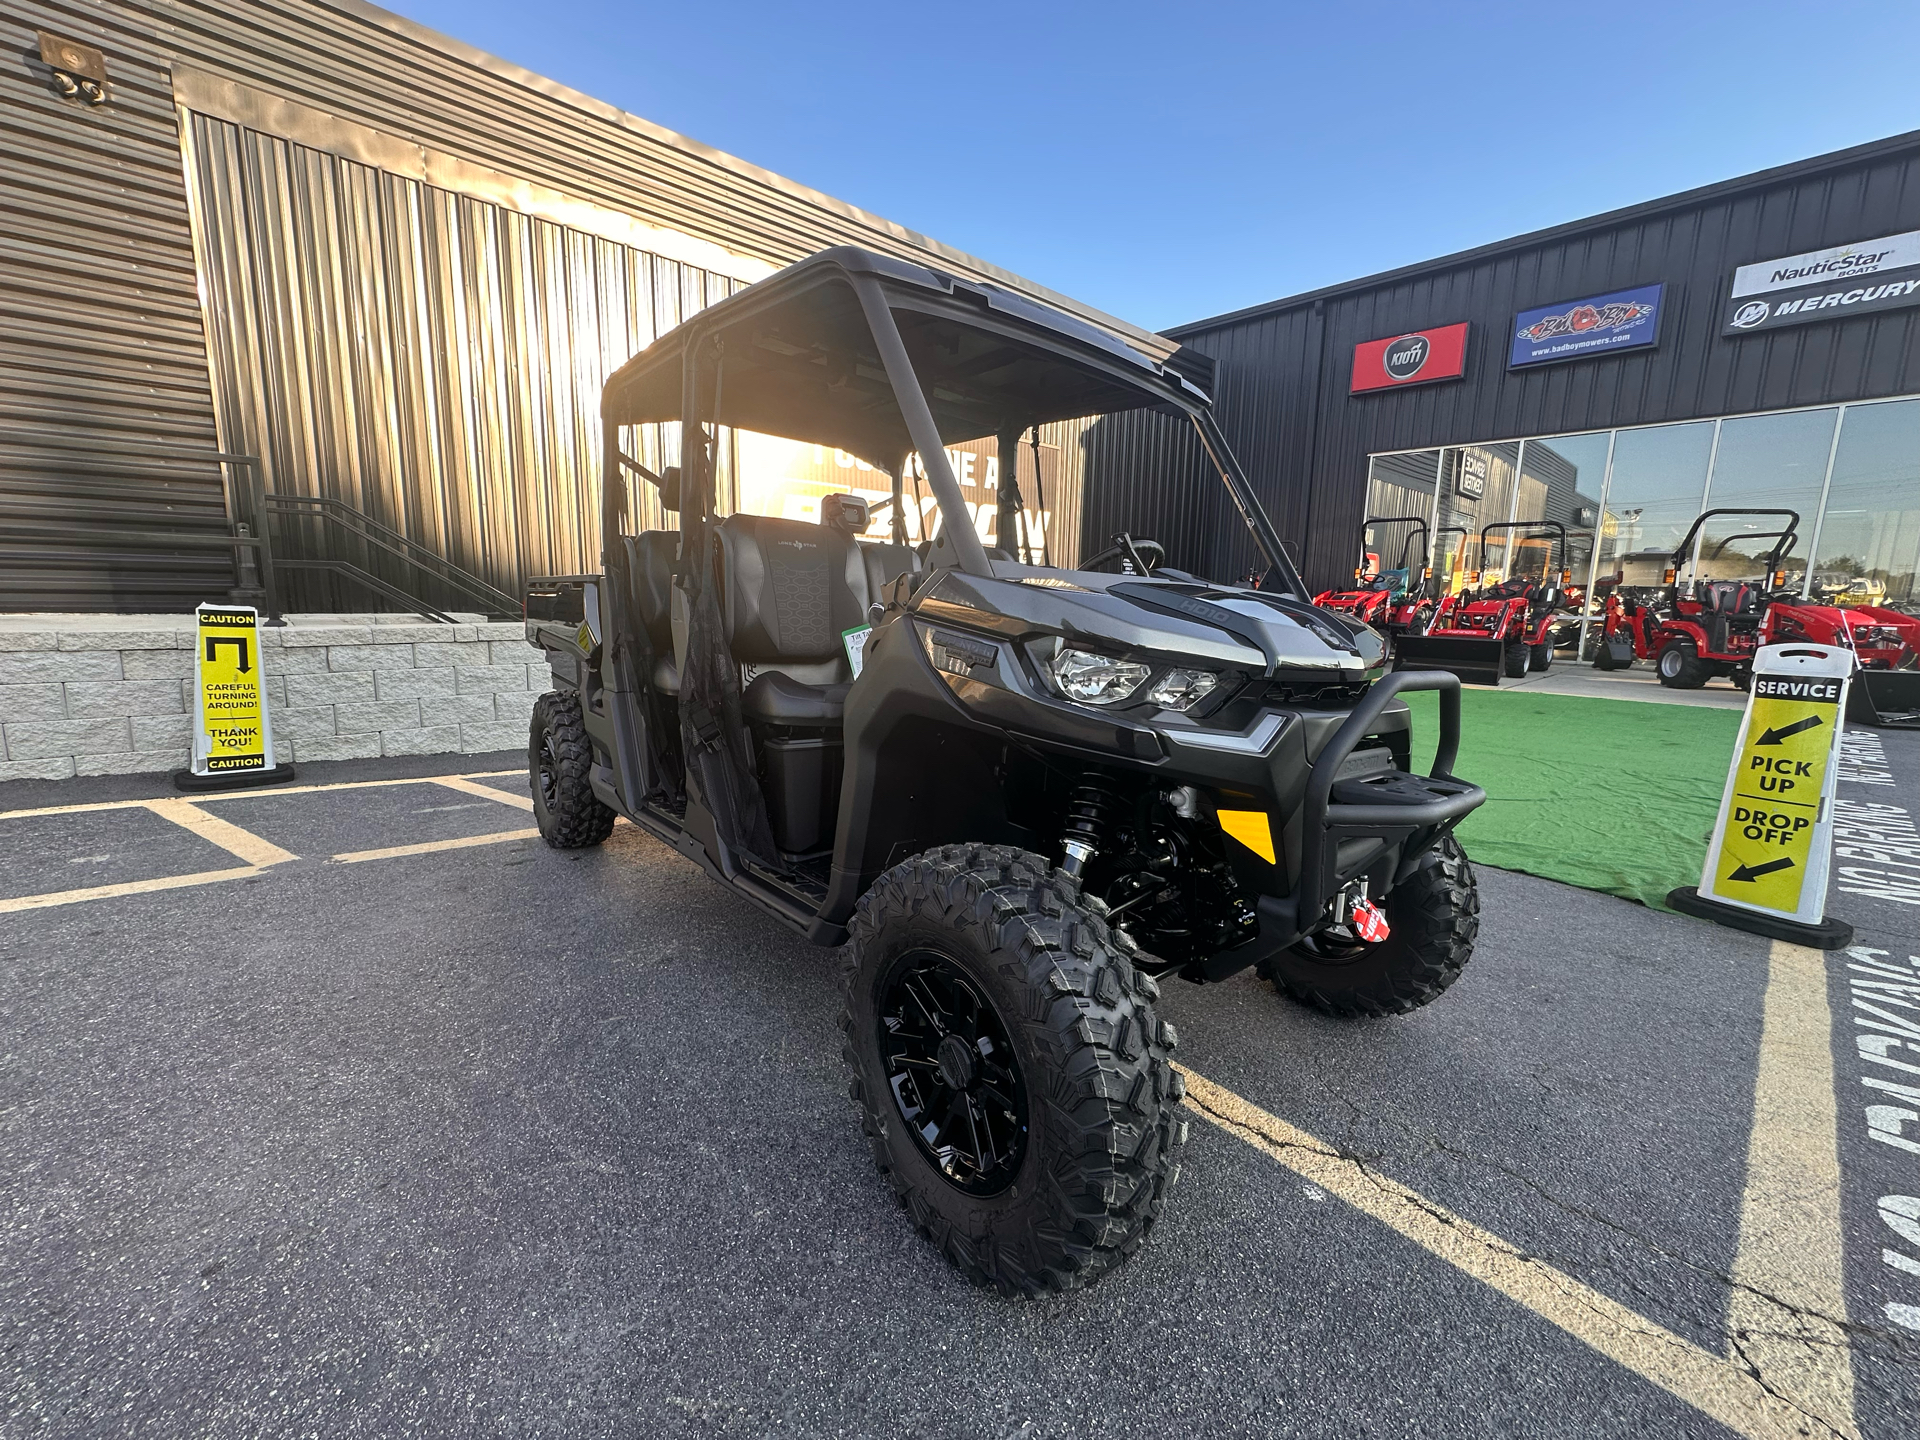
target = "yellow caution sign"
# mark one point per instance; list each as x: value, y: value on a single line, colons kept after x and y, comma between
x: 1771, y: 847
x: 232, y: 730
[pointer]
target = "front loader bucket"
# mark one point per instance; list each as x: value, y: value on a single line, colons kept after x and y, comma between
x: 1476, y: 662
x: 1886, y: 698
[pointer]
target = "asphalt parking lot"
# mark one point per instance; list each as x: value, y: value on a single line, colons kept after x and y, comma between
x: 352, y: 1109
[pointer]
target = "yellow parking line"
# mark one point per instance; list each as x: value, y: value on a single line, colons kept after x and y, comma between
x: 128, y: 887
x: 241, y: 844
x: 468, y: 787
x: 1788, y: 1312
x: 1716, y: 1386
x: 430, y: 847
x: 264, y: 792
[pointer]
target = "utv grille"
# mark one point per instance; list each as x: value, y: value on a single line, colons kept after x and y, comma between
x: 1313, y: 694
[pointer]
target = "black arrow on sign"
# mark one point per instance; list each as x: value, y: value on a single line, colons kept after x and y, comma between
x: 1774, y: 737
x: 214, y: 642
x: 1754, y: 872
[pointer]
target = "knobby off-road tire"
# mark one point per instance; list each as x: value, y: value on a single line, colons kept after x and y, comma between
x: 558, y: 756
x: 1540, y: 657
x: 1517, y: 655
x: 1103, y: 1136
x: 1434, y: 918
x: 1679, y: 666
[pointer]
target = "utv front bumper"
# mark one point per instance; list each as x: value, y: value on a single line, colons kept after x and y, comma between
x: 1382, y: 824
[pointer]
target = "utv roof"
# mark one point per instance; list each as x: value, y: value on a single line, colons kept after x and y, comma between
x: 796, y: 358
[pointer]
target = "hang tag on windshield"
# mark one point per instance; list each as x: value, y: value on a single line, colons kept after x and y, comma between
x: 856, y: 642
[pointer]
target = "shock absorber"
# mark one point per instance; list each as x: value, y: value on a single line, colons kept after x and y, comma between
x: 1088, y: 810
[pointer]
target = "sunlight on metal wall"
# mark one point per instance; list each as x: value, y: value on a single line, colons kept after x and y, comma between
x: 432, y: 359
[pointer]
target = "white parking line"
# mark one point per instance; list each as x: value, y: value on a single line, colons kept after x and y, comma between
x: 1721, y: 1388
x: 468, y: 787
x: 1787, y: 1315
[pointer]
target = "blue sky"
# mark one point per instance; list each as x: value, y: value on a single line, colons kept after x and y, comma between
x: 1169, y: 162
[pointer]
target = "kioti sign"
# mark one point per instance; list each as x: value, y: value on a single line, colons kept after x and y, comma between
x: 1410, y: 359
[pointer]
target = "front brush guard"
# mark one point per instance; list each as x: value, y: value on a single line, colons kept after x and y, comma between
x: 1412, y: 811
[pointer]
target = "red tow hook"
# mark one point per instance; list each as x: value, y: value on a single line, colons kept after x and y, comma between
x: 1369, y: 922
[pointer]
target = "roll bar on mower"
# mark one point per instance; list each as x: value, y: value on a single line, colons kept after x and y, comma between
x: 1787, y: 538
x: 1554, y: 525
x: 1419, y: 528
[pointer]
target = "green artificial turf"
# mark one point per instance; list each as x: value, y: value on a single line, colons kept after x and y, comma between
x: 1610, y: 795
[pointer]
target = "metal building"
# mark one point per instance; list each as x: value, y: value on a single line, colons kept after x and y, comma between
x: 386, y: 271
x: 1754, y: 343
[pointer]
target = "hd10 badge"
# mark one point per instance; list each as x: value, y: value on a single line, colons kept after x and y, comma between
x: 1767, y: 860
x: 233, y: 731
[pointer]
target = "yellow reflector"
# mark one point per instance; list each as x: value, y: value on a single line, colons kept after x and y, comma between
x: 1250, y: 828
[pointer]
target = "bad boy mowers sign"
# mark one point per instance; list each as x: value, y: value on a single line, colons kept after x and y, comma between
x: 1831, y: 284
x: 1576, y: 329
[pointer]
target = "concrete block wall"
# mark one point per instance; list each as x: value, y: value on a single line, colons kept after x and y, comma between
x: 112, y: 694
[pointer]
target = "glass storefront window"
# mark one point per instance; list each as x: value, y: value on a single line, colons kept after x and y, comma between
x: 1562, y: 478
x: 1400, y: 487
x: 1869, y: 541
x: 1765, y: 462
x: 1659, y: 476
x: 1476, y: 489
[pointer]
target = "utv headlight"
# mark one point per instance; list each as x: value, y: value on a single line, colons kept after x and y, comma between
x: 1095, y: 679
x: 1182, y: 689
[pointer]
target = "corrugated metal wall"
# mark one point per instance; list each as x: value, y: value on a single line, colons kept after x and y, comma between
x: 430, y: 359
x: 462, y: 418
x: 102, y: 361
x: 1284, y: 370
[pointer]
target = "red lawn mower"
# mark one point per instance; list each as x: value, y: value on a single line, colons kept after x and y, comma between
x: 1388, y: 599
x: 1886, y: 687
x: 1707, y: 628
x: 1504, y: 629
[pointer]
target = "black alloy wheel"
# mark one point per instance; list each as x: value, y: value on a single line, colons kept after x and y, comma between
x: 951, y: 1067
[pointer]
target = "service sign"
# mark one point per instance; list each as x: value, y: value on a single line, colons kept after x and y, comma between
x: 1771, y: 847
x: 1410, y: 359
x: 232, y: 731
x: 1578, y: 329
x: 1471, y: 468
x: 1857, y: 279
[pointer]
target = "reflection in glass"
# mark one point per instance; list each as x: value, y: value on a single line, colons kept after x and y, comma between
x: 1401, y: 487
x: 1476, y: 489
x: 1869, y: 545
x: 1561, y: 479
x: 1659, y: 477
x: 1765, y: 462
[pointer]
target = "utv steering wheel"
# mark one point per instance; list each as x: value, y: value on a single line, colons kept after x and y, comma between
x: 1138, y: 555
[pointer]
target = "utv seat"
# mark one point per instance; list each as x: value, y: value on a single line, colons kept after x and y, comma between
x: 651, y: 556
x: 788, y: 590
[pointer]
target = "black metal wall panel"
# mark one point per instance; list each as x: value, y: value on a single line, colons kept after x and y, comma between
x: 1284, y: 369
x: 103, y: 368
x: 104, y: 349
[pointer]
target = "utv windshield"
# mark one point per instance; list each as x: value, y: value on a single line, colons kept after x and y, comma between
x: 909, y: 371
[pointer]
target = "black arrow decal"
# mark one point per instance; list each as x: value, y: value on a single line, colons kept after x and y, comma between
x: 214, y: 642
x: 1754, y: 872
x: 1774, y: 737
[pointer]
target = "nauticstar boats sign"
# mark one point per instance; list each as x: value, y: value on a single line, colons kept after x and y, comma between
x: 1855, y: 279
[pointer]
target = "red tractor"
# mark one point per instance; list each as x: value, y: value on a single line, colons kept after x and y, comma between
x: 1886, y: 643
x: 1388, y: 600
x: 1506, y: 628
x: 1705, y: 628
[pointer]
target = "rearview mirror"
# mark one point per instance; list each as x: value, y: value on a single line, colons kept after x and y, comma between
x: 669, y: 487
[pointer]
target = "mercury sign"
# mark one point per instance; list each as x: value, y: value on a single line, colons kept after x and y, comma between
x: 1857, y: 279
x: 1578, y: 329
x: 1410, y: 359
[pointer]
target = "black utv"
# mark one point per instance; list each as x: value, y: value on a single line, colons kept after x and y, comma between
x: 1017, y: 794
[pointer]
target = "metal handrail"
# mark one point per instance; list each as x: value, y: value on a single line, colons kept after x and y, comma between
x: 254, y: 538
